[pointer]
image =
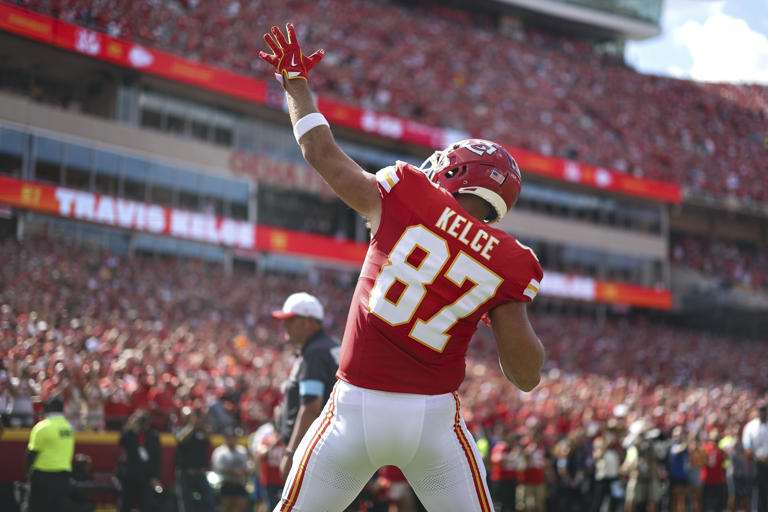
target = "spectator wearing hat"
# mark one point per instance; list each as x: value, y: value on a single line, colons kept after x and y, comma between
x: 755, y: 441
x: 49, y: 459
x: 313, y: 374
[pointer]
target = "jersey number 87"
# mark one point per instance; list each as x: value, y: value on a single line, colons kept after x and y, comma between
x: 430, y: 332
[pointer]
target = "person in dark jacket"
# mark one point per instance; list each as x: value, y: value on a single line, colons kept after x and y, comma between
x: 139, y: 467
x: 194, y: 443
x: 313, y: 374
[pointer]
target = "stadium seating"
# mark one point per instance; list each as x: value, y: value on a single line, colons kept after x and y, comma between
x: 535, y: 91
x: 114, y: 333
x: 730, y: 263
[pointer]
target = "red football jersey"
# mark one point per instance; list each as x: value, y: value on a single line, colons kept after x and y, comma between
x: 501, y: 467
x: 430, y: 273
x: 270, y: 464
x: 534, y: 472
x: 712, y: 472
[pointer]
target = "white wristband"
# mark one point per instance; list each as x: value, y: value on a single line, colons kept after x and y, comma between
x: 308, y: 122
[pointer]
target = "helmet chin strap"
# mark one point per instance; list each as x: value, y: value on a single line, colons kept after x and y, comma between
x: 492, y: 198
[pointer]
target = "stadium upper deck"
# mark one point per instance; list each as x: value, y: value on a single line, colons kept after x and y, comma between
x: 543, y: 93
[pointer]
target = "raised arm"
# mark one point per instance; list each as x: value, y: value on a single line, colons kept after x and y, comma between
x: 351, y: 183
x: 521, y: 353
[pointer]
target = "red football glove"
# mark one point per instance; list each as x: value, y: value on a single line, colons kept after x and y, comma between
x: 287, y: 59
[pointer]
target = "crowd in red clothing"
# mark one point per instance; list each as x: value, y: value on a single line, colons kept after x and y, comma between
x: 557, y: 96
x: 112, y: 334
x: 731, y: 263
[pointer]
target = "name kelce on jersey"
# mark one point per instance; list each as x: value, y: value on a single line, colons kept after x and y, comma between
x: 482, y: 243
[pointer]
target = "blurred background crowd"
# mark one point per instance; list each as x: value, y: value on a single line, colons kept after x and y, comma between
x: 114, y: 335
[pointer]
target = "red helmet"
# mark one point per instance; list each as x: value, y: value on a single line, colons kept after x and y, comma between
x: 479, y: 167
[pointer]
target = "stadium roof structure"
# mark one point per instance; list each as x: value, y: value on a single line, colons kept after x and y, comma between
x: 620, y: 19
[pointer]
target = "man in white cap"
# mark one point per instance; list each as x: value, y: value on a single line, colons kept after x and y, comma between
x: 313, y: 374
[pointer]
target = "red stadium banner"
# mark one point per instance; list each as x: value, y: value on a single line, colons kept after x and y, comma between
x: 27, y: 24
x: 620, y: 293
x: 161, y: 220
x: 564, y: 286
x: 249, y: 238
x: 127, y: 214
x: 596, y: 177
x: 135, y: 56
x: 307, y: 245
x: 129, y: 54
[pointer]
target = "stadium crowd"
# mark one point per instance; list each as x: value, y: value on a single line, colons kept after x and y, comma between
x: 529, y: 89
x: 113, y: 334
x: 731, y: 263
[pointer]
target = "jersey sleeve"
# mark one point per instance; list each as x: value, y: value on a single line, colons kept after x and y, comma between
x: 399, y: 180
x: 524, y: 275
x: 388, y: 178
x: 313, y: 375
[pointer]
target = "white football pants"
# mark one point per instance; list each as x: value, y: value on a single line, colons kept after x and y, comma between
x: 361, y: 430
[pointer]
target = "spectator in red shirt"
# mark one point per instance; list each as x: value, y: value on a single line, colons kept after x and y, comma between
x: 268, y: 449
x: 161, y: 399
x: 506, y: 458
x: 714, y: 490
x: 117, y: 406
x: 140, y: 399
x: 534, y: 491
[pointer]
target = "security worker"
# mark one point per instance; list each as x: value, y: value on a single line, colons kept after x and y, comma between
x: 313, y: 374
x: 48, y: 463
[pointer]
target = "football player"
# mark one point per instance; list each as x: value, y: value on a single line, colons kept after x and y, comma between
x: 435, y: 267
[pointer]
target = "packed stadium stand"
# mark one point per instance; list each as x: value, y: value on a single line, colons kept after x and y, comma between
x: 554, y: 95
x: 151, y: 219
x: 730, y: 263
x: 115, y: 334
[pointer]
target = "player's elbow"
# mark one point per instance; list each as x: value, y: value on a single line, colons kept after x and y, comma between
x: 523, y: 367
x: 524, y: 377
x: 527, y: 383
